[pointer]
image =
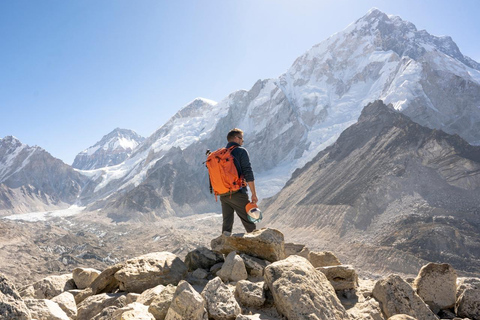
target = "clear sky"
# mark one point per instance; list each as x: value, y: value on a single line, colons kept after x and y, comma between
x: 71, y: 71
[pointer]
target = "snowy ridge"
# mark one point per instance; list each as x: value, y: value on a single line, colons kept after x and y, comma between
x: 192, y: 123
x: 14, y: 156
x: 112, y: 149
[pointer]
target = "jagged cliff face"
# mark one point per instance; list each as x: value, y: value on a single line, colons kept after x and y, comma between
x: 32, y: 180
x: 111, y: 150
x: 288, y: 120
x: 389, y: 182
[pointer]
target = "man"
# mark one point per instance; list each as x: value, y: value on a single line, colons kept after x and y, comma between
x: 238, y: 200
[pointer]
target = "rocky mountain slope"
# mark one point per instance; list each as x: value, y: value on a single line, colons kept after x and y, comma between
x: 32, y: 180
x: 288, y: 120
x: 243, y: 276
x: 111, y: 150
x: 388, y: 186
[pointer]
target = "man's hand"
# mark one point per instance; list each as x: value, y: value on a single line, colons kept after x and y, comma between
x: 251, y: 186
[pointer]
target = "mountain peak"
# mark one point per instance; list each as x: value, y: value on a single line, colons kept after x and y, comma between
x: 112, y: 149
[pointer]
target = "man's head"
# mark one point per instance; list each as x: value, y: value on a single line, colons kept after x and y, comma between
x: 235, y: 135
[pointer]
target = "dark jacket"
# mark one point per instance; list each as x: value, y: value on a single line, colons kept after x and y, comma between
x: 242, y: 163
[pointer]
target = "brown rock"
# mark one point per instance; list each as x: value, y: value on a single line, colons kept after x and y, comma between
x: 342, y: 277
x: 150, y: 270
x: 323, y: 259
x: 266, y: 244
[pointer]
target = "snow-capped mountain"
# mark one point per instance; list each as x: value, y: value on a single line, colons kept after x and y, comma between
x: 32, y: 180
x: 111, y: 150
x: 288, y: 120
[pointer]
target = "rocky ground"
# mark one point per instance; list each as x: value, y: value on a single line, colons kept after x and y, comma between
x: 30, y: 251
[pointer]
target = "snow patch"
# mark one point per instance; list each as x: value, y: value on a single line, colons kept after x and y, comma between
x: 46, y: 215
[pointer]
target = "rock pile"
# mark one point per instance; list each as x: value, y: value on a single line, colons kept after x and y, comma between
x: 244, y: 276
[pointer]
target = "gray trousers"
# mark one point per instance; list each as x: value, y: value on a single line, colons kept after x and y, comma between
x: 235, y: 202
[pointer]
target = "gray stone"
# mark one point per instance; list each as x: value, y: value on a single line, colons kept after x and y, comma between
x: 468, y: 301
x: 436, y: 284
x: 396, y: 296
x: 250, y: 294
x: 301, y: 292
x: 342, y: 277
x: 254, y: 266
x: 186, y: 304
x: 150, y: 270
x: 220, y: 301
x: 202, y: 258
x: 200, y: 273
x: 83, y: 277
x: 12, y: 307
x: 266, y: 244
x: 233, y: 269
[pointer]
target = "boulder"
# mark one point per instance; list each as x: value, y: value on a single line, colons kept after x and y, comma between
x: 220, y: 301
x: 133, y: 311
x: 323, y: 259
x: 254, y: 266
x: 45, y: 310
x: 52, y: 286
x: 12, y: 307
x: 294, y: 249
x: 83, y: 277
x: 342, y: 277
x: 401, y: 317
x: 365, y: 309
x: 301, y: 292
x: 233, y: 269
x: 150, y: 270
x: 202, y: 258
x: 468, y: 301
x: 104, y: 283
x: 66, y: 301
x: 250, y: 294
x: 436, y: 284
x: 149, y: 295
x: 93, y: 305
x: 396, y: 296
x: 186, y: 304
x: 265, y: 244
x: 159, y: 306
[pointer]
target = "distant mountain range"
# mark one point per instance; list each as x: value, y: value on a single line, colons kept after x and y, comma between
x: 388, y: 182
x: 287, y: 120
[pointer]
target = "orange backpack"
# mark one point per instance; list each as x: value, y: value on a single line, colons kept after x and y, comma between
x: 223, y: 173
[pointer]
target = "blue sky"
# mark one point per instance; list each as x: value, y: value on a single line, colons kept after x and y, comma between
x: 72, y: 71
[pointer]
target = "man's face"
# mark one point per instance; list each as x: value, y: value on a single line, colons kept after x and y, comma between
x: 239, y: 139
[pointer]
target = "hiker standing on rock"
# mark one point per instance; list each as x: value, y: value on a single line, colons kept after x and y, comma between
x: 230, y: 181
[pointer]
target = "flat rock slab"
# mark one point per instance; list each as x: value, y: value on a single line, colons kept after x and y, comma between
x: 267, y: 244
